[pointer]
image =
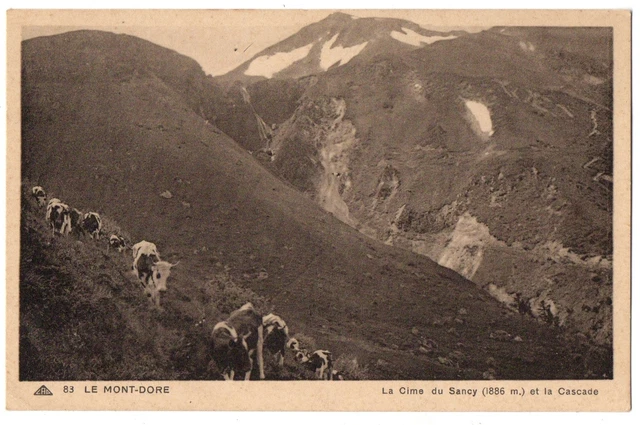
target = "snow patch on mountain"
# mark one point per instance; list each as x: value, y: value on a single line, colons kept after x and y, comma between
x: 330, y: 56
x: 481, y: 118
x: 266, y: 66
x: 415, y: 39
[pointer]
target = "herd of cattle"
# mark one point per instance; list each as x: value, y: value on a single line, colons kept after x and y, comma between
x: 238, y: 342
x: 241, y: 338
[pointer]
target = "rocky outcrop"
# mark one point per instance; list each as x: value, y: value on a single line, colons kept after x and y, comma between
x: 549, y: 282
x: 318, y: 137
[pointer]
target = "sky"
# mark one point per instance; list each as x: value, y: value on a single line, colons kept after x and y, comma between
x: 222, y: 48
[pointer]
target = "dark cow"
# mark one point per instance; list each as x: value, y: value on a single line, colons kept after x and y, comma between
x: 276, y: 336
x: 320, y: 361
x: 75, y: 217
x: 237, y: 341
x: 58, y: 217
x: 40, y: 195
x: 92, y: 224
x: 230, y: 352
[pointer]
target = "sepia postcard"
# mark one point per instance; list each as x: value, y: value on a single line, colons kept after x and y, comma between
x: 338, y: 210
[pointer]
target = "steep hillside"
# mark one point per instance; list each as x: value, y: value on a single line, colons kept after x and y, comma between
x: 83, y: 315
x: 115, y: 142
x: 489, y: 153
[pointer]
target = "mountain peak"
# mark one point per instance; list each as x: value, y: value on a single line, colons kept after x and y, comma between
x: 339, y: 16
x: 332, y: 43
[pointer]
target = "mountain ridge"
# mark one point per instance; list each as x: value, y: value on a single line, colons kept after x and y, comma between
x: 333, y: 42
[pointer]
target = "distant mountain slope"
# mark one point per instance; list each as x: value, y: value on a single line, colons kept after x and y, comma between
x: 490, y: 153
x: 104, y: 128
x: 333, y: 42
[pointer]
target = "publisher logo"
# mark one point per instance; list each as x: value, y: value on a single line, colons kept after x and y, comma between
x: 43, y: 390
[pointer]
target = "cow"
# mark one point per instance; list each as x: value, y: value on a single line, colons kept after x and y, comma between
x: 40, y: 195
x: 117, y: 242
x: 50, y: 204
x: 337, y: 375
x: 152, y: 272
x: 301, y: 355
x: 237, y: 341
x: 75, y: 217
x: 145, y: 248
x: 230, y: 352
x: 320, y: 361
x: 276, y: 336
x: 160, y: 273
x: 58, y: 217
x: 145, y: 255
x: 92, y: 224
x: 293, y: 345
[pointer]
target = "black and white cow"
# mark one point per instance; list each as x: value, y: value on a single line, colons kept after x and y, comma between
x: 293, y: 345
x: 40, y: 195
x: 53, y: 201
x: 145, y: 248
x: 237, y: 342
x: 152, y: 272
x: 145, y: 256
x: 92, y: 224
x: 117, y: 242
x: 276, y: 336
x: 229, y: 351
x: 58, y: 217
x: 320, y: 361
x: 50, y: 204
x: 302, y: 355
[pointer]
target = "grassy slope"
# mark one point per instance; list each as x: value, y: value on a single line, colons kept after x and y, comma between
x: 84, y: 317
x: 114, y: 144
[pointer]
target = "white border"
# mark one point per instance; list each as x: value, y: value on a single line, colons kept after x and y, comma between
x: 100, y: 418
